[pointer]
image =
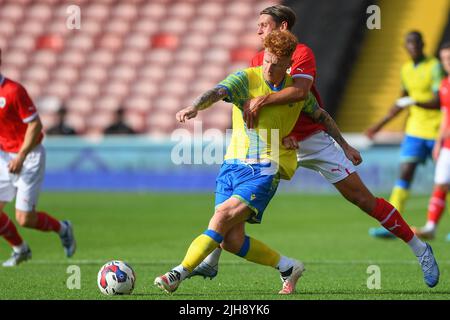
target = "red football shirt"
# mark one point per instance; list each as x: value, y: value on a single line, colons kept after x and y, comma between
x: 16, y: 110
x: 444, y: 95
x: 304, y: 65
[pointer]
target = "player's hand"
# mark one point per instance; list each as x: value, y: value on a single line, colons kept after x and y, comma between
x: 371, y: 132
x: 251, y: 111
x: 436, y: 150
x: 186, y: 114
x: 353, y: 155
x: 16, y: 164
x: 405, y: 102
x: 290, y: 142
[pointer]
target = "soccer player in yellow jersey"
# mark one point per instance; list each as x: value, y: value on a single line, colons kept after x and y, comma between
x: 421, y: 77
x: 254, y: 163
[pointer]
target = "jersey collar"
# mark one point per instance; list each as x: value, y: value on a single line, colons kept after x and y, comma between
x: 2, y: 79
x: 281, y: 86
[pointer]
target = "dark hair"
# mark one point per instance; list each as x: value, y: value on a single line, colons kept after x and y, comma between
x: 281, y: 13
x: 416, y: 34
x: 445, y: 45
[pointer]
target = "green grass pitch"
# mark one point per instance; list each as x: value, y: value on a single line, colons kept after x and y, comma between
x: 152, y: 232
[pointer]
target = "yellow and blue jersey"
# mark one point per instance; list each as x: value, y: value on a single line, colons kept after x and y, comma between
x: 274, y: 123
x: 422, y: 81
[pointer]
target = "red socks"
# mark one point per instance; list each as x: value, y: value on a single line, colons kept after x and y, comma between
x: 436, y: 205
x: 45, y: 222
x: 391, y: 219
x: 8, y: 230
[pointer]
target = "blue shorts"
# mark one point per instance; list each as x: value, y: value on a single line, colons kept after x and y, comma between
x: 246, y: 183
x: 415, y: 149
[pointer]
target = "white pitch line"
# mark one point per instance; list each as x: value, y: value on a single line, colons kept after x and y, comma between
x: 173, y: 262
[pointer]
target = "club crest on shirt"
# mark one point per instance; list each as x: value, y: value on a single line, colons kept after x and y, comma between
x: 2, y: 102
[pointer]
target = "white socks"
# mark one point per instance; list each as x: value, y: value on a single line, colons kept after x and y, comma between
x: 430, y: 227
x: 21, y: 248
x: 417, y: 246
x: 284, y: 264
x: 182, y: 271
x: 63, y: 229
x: 213, y: 258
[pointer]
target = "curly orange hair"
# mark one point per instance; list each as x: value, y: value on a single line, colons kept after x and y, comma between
x: 281, y: 43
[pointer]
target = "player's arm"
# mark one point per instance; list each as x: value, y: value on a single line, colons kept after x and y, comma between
x: 31, y: 139
x: 431, y: 104
x: 392, y: 113
x: 444, y: 133
x: 233, y: 89
x: 322, y: 116
x: 295, y: 93
x: 201, y: 103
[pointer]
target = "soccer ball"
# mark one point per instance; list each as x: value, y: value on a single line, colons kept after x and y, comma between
x: 116, y: 277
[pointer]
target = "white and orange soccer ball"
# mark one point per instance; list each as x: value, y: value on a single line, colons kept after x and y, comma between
x: 116, y: 278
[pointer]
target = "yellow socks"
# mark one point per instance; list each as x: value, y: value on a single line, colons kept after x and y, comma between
x: 256, y: 251
x: 200, y: 248
x: 398, y: 198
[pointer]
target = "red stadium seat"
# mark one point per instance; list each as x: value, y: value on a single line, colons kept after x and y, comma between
x: 165, y: 40
x: 52, y: 42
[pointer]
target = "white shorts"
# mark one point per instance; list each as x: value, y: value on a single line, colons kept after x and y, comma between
x: 442, y: 173
x: 320, y: 153
x: 26, y: 185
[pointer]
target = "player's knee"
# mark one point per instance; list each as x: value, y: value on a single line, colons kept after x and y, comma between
x: 223, y: 214
x: 442, y: 188
x: 231, y: 245
x: 25, y: 219
x: 407, y: 171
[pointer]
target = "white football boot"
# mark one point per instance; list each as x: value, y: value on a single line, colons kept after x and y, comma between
x: 290, y: 277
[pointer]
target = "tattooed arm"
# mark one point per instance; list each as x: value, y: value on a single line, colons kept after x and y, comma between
x: 203, y: 102
x: 322, y: 116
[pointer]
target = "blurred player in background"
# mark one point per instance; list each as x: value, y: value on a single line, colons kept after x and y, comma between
x: 22, y: 167
x: 441, y: 153
x: 317, y: 151
x: 254, y: 163
x: 421, y: 77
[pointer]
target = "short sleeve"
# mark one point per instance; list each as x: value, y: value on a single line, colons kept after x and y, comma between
x: 437, y: 74
x: 24, y: 105
x: 236, y: 85
x: 304, y: 65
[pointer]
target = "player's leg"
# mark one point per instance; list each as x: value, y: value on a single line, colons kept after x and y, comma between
x: 28, y: 190
x: 251, y: 249
x: 21, y: 251
x: 437, y: 201
x: 400, y: 192
x: 354, y: 190
x: 230, y: 213
x: 413, y: 151
x: 399, y: 196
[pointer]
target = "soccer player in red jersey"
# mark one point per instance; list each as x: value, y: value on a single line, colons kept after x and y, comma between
x: 441, y: 153
x: 22, y: 167
x: 315, y: 129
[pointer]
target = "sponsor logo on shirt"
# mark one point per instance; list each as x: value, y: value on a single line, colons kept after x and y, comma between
x: 2, y: 102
